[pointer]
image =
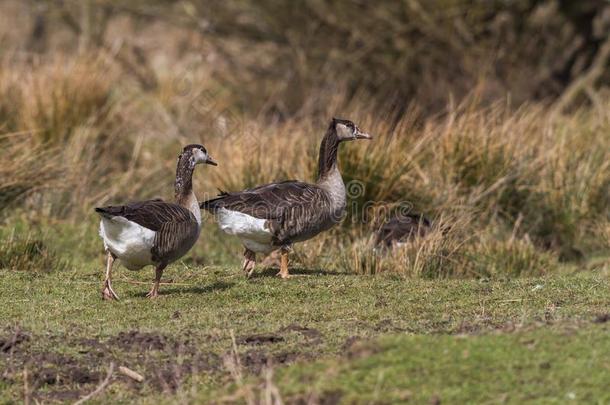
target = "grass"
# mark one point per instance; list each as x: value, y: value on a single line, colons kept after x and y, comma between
x: 29, y: 253
x: 547, y: 367
x: 181, y: 341
x: 505, y: 299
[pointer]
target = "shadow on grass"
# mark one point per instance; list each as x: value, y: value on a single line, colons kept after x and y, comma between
x: 169, y: 290
x: 272, y: 272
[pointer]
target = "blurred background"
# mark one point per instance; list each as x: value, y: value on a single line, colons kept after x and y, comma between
x: 491, y: 117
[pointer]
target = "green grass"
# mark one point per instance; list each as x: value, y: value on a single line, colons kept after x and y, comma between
x: 419, y: 330
x: 543, y: 366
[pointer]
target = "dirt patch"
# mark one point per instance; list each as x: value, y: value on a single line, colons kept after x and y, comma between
x: 356, y: 348
x: 468, y: 328
x: 260, y: 339
x: 164, y: 362
x: 602, y: 318
x: 386, y: 325
x: 48, y: 368
x: 349, y: 342
x: 435, y: 400
x: 12, y: 339
x: 58, y: 374
x: 255, y: 360
x: 61, y: 396
x: 313, y: 335
x: 140, y: 341
x: 168, y: 375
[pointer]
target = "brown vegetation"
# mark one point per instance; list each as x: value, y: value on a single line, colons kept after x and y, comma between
x: 517, y: 188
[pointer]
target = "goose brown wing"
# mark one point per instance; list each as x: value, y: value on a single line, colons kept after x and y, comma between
x: 170, y: 238
x: 269, y: 201
x: 151, y: 214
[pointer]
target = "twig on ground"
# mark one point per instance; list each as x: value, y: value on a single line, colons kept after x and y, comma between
x: 166, y: 282
x: 270, y: 395
x: 233, y: 364
x: 131, y: 374
x: 26, y: 387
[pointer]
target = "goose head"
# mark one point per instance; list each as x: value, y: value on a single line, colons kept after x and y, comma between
x: 348, y: 131
x: 196, y: 154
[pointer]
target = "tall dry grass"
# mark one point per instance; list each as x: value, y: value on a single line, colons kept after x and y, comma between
x: 66, y: 141
x: 510, y: 192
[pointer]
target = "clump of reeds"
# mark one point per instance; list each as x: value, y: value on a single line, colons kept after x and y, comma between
x: 31, y: 253
x: 52, y: 97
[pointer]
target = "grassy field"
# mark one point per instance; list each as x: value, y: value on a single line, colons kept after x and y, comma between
x: 317, y: 338
x: 490, y: 118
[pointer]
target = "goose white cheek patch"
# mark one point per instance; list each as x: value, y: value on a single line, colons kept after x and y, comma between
x: 343, y: 131
x: 199, y: 156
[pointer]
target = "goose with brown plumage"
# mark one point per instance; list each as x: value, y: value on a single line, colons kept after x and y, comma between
x: 154, y: 232
x: 276, y: 215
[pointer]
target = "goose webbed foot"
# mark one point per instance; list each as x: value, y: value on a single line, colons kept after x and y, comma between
x: 249, y: 262
x: 108, y: 293
x: 154, y: 292
x: 284, y: 276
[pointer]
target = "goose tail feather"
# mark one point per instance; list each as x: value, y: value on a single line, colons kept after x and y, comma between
x: 108, y: 212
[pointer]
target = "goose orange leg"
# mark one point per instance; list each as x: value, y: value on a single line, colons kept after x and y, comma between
x: 284, y: 263
x: 249, y: 262
x: 154, y: 292
x: 107, y: 292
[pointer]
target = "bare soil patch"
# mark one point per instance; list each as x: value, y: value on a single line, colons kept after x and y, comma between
x: 165, y: 362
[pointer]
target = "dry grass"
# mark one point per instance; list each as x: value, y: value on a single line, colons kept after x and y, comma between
x: 30, y: 252
x: 511, y: 192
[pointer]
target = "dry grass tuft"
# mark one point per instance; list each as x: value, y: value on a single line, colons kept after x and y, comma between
x: 29, y: 253
x: 50, y: 98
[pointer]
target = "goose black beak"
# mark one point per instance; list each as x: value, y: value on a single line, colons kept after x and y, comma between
x: 363, y: 135
x: 211, y: 161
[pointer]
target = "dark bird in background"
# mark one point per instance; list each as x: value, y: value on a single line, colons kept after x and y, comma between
x: 401, y: 228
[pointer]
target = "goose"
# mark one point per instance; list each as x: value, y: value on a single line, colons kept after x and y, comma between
x: 154, y: 232
x: 276, y: 215
x: 401, y: 228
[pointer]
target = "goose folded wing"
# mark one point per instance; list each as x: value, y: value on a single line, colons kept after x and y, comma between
x: 151, y: 214
x: 170, y: 237
x: 271, y: 201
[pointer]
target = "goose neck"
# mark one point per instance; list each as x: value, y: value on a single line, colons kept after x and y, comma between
x: 183, y: 188
x: 327, y: 162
